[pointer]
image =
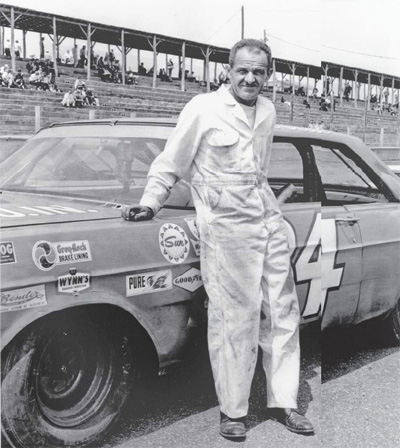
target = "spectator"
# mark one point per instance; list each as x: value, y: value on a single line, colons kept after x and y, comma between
x: 170, y: 68
x: 18, y: 50
x: 68, y: 99
x: 90, y: 99
x: 307, y: 104
x: 79, y: 83
x: 79, y: 96
x: 142, y: 70
x: 104, y: 72
x: 7, y: 77
x: 131, y: 79
x: 111, y: 56
x: 82, y: 57
x: 19, y: 80
x: 7, y: 49
x: 300, y: 91
x: 192, y: 77
x: 386, y: 95
x: 41, y: 56
x: 68, y: 58
x: 115, y: 69
x: 35, y: 78
x: 315, y: 93
x: 221, y: 78
x: 347, y: 90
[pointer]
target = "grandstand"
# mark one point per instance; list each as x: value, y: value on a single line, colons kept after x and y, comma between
x: 154, y: 98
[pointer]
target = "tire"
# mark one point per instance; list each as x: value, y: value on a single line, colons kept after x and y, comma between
x: 392, y: 324
x: 64, y: 381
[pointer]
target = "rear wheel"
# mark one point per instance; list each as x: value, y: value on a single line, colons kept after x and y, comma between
x: 392, y: 326
x: 64, y: 381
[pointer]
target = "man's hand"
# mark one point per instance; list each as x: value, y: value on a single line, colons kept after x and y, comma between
x: 137, y: 213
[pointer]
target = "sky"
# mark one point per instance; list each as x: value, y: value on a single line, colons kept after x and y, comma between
x: 356, y: 33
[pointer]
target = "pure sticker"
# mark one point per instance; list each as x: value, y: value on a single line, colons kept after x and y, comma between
x: 148, y: 282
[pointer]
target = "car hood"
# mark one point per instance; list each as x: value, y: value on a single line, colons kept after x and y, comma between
x: 25, y: 209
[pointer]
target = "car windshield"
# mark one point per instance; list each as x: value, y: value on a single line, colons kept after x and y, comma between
x: 106, y: 169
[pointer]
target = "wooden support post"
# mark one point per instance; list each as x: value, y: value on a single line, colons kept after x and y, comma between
x: 154, y: 61
x: 191, y: 66
x: 123, y: 56
x: 12, y: 25
x: 37, y: 118
x: 340, y: 93
x: 282, y: 78
x: 24, y: 44
x: 215, y: 73
x: 2, y: 40
x: 325, y: 80
x: 392, y: 91
x: 308, y: 82
x: 183, y: 81
x: 355, y: 93
x: 208, y: 68
x: 293, y: 69
x: 166, y: 63
x: 89, y: 50
x: 381, y: 91
x: 55, y: 46
x: 369, y: 91
x: 92, y: 114
x: 138, y: 60
x: 273, y: 81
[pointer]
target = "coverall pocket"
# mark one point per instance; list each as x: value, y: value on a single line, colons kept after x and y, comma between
x: 213, y: 193
x: 222, y: 138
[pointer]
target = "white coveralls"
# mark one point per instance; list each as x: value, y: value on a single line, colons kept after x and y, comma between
x: 244, y: 255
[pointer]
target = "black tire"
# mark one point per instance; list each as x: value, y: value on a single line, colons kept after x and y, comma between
x: 64, y: 381
x: 392, y: 326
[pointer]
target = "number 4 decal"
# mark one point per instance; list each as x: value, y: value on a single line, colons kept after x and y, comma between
x: 320, y: 273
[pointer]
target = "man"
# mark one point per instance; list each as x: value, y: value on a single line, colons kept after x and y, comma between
x: 225, y: 139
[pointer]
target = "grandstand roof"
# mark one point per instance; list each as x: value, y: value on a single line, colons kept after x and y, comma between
x: 42, y: 22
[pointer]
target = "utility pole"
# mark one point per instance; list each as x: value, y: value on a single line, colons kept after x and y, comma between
x: 242, y: 22
x: 265, y: 37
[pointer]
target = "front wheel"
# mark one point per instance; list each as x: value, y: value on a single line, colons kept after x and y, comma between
x: 392, y: 326
x: 64, y: 381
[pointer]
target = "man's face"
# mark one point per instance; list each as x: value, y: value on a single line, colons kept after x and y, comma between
x: 248, y: 74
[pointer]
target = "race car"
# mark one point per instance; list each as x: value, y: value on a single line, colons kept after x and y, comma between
x: 90, y: 303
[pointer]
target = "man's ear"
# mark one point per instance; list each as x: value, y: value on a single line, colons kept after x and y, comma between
x: 270, y: 71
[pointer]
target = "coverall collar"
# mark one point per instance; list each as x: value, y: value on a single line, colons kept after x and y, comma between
x: 262, y: 110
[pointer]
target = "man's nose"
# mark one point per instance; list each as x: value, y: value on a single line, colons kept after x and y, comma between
x: 250, y: 78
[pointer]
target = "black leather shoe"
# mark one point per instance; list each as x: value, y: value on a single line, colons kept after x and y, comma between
x: 232, y: 428
x: 293, y: 421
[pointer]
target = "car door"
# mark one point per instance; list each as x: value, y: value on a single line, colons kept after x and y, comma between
x: 360, y: 238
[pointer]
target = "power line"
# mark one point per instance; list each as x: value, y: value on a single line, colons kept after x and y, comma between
x: 219, y: 29
x: 362, y: 54
x: 291, y: 43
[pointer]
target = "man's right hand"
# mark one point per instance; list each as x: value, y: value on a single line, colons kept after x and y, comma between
x: 137, y: 213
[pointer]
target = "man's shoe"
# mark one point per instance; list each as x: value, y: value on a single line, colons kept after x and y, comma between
x: 293, y: 421
x: 232, y: 428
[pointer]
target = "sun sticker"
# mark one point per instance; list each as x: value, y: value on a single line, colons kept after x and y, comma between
x: 174, y: 243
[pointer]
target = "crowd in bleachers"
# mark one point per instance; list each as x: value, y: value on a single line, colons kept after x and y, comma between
x: 80, y: 96
x: 10, y: 79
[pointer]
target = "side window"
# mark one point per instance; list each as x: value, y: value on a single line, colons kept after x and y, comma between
x: 344, y: 178
x: 285, y: 168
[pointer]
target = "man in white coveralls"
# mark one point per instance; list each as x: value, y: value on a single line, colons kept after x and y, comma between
x: 225, y: 139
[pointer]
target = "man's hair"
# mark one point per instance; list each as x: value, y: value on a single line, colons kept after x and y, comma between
x: 252, y: 44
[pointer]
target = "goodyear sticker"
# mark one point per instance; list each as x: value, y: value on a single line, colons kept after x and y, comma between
x: 190, y: 280
x: 73, y: 282
x: 174, y: 243
x: 7, y: 253
x: 23, y: 298
x: 147, y: 282
x: 46, y: 255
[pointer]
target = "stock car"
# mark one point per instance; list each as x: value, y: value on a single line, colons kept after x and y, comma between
x: 90, y: 302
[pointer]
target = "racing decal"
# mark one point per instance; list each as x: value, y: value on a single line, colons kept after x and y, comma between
x: 47, y: 255
x: 315, y: 264
x: 73, y: 282
x: 7, y: 253
x: 147, y: 282
x: 193, y: 228
x: 39, y: 210
x: 174, y: 243
x: 23, y: 298
x: 190, y: 280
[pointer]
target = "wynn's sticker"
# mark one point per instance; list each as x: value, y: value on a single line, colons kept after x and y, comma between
x: 174, y: 243
x: 190, y: 280
x: 147, y: 282
x: 7, y: 253
x: 73, y: 282
x: 23, y: 298
x: 47, y: 255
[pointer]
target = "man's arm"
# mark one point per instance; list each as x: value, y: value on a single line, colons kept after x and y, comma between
x: 170, y: 166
